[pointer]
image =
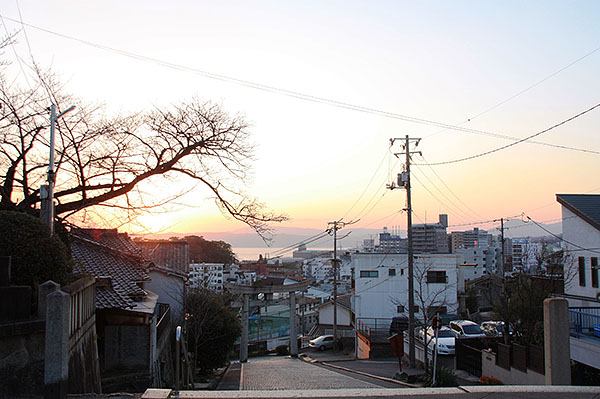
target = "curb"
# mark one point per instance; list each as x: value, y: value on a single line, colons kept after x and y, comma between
x: 377, y: 377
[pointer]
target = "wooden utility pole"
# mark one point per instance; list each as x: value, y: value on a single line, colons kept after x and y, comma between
x: 404, y: 181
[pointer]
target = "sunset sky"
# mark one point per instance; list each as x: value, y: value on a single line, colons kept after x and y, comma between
x: 502, y: 68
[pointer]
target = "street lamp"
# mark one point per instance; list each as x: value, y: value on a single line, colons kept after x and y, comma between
x: 47, y: 191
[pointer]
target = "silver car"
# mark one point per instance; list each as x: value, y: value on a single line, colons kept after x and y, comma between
x: 321, y: 343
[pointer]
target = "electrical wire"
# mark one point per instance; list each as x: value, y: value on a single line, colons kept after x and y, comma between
x: 273, y: 89
x: 521, y: 92
x: 519, y: 141
x: 367, y: 186
x: 559, y: 237
x: 456, y: 208
x: 449, y: 189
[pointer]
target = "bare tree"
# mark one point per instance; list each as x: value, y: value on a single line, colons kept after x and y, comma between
x: 431, y: 291
x: 113, y: 163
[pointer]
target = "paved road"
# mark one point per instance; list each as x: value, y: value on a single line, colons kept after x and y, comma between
x: 279, y: 373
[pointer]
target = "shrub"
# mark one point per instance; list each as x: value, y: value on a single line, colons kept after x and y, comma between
x: 36, y: 257
x: 444, y: 378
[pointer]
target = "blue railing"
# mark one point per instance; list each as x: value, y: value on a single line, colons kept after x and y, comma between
x: 585, y: 322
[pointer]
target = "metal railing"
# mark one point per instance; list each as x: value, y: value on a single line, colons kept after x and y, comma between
x: 188, y: 367
x: 164, y: 319
x: 585, y: 322
x: 363, y: 329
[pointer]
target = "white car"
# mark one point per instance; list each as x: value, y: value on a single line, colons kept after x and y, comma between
x: 445, y: 340
x: 467, y: 329
x: 321, y: 343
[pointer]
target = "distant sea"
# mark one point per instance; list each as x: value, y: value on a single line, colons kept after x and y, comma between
x: 253, y: 253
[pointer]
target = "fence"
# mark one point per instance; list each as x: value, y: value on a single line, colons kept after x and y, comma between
x: 468, y: 355
x: 71, y: 358
x: 519, y: 357
x: 378, y: 328
x: 585, y: 322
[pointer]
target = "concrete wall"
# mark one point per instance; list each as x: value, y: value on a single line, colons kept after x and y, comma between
x: 170, y: 289
x: 585, y: 351
x: 326, y: 315
x: 508, y: 377
x: 127, y: 347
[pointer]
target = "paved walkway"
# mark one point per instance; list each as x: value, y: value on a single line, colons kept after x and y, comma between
x: 281, y: 373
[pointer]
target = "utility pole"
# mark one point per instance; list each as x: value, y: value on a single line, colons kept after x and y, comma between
x: 404, y: 181
x: 502, y: 239
x: 336, y: 226
x: 47, y: 191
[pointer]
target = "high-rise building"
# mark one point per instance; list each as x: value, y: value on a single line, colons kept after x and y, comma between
x: 431, y: 237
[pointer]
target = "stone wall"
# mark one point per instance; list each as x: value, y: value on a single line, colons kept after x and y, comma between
x: 22, y: 358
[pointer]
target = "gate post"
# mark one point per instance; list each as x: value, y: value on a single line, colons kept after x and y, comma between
x: 56, y: 359
x: 556, y: 342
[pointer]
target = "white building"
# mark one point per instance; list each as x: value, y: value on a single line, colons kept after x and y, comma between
x: 237, y: 276
x: 320, y: 269
x: 525, y: 255
x: 581, y: 236
x: 207, y: 275
x: 381, y: 284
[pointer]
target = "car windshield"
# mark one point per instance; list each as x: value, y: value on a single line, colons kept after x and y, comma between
x: 471, y: 329
x: 445, y: 334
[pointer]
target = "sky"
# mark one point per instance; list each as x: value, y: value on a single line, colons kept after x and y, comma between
x: 499, y: 68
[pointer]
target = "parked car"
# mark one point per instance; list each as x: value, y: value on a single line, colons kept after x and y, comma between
x: 321, y: 343
x: 466, y: 328
x: 445, y: 340
x: 494, y: 328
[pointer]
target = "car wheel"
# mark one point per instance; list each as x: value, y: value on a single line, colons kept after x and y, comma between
x: 322, y: 348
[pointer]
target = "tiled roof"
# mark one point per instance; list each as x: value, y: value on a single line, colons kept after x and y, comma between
x: 110, y: 238
x: 121, y: 270
x: 171, y: 255
x: 586, y: 206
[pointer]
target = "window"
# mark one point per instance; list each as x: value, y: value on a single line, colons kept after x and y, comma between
x: 582, y: 271
x: 434, y: 276
x: 416, y: 309
x: 369, y: 273
x: 400, y: 309
x: 402, y: 272
x: 392, y: 272
x: 594, y: 261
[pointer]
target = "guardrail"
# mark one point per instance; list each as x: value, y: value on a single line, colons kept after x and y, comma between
x: 188, y: 367
x: 585, y: 322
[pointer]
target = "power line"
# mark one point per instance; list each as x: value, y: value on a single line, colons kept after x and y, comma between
x: 519, y: 141
x: 442, y: 193
x: 449, y: 189
x: 523, y: 91
x: 295, y: 245
x: 559, y: 237
x: 277, y: 90
x: 367, y: 186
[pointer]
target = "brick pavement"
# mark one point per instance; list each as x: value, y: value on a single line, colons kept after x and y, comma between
x: 281, y: 373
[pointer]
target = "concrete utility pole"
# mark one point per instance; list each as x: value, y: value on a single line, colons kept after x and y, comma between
x: 47, y: 191
x: 336, y: 226
x: 404, y: 181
